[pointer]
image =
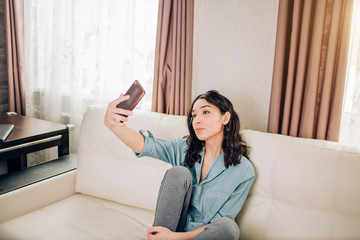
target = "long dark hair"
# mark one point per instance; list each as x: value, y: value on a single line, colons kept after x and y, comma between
x: 233, y: 146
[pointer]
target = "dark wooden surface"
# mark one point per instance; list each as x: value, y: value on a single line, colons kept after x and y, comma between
x: 21, y: 178
x: 26, y: 130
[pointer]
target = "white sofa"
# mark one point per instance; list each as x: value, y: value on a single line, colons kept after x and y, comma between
x: 305, y: 189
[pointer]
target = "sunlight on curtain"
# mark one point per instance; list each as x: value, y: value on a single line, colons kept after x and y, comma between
x: 82, y: 52
x: 350, y: 120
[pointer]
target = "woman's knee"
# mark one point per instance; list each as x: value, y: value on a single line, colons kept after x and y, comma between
x: 223, y: 228
x: 231, y: 228
x: 179, y: 174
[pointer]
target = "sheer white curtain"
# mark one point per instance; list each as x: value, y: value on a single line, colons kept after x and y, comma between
x: 350, y: 120
x: 81, y: 52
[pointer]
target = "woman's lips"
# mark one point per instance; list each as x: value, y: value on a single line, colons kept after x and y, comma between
x: 198, y: 129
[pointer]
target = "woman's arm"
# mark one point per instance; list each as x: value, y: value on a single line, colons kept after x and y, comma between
x: 117, y: 124
x: 166, y: 234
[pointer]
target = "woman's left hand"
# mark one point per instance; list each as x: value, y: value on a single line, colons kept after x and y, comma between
x: 161, y: 233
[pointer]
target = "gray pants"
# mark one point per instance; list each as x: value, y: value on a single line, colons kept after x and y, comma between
x: 172, y: 207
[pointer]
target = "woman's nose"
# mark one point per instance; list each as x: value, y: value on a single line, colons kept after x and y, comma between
x: 196, y: 119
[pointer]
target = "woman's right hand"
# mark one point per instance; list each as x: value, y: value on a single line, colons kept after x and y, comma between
x: 116, y: 116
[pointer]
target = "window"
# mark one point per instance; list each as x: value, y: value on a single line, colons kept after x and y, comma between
x: 350, y: 122
x: 82, y: 52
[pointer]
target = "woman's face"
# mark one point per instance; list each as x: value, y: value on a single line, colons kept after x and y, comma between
x: 207, y: 120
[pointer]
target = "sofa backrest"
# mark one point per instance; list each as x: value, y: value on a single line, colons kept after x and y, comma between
x: 109, y: 169
x: 304, y: 189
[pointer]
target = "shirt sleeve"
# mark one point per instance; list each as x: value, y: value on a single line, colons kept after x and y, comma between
x: 233, y: 205
x: 170, y: 151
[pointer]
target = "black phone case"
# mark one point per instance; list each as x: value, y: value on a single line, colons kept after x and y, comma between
x: 136, y: 92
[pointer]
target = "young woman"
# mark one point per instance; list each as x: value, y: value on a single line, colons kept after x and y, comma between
x: 201, y: 195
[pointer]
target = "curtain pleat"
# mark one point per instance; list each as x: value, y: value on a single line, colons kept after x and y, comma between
x: 14, y: 27
x: 310, y: 68
x: 173, y: 57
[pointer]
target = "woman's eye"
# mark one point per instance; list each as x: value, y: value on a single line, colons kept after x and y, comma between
x: 205, y: 112
x: 193, y: 116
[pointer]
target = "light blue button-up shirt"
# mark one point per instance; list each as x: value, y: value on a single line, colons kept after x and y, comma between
x: 221, y: 194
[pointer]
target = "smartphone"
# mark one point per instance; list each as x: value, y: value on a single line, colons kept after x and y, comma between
x: 136, y: 92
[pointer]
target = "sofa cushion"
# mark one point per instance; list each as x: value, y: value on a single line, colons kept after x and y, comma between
x: 305, y: 189
x: 109, y: 169
x: 80, y: 217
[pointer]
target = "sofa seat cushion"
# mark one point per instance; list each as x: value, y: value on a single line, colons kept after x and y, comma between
x: 80, y: 217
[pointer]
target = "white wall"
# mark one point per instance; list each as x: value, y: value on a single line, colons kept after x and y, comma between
x: 234, y: 42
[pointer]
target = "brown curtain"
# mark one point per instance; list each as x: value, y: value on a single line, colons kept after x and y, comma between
x: 310, y: 68
x: 173, y: 57
x: 14, y: 21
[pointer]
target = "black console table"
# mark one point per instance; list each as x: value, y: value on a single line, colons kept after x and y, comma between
x: 22, y: 178
x: 31, y: 135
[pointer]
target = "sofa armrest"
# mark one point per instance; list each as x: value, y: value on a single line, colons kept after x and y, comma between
x: 37, y: 187
x: 35, y: 196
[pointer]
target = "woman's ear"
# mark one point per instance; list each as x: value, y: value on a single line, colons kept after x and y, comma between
x: 226, y: 118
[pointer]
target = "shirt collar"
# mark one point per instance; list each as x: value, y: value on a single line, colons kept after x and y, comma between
x: 217, y: 167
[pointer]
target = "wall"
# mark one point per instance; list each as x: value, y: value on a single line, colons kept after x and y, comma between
x: 4, y: 92
x: 234, y: 42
